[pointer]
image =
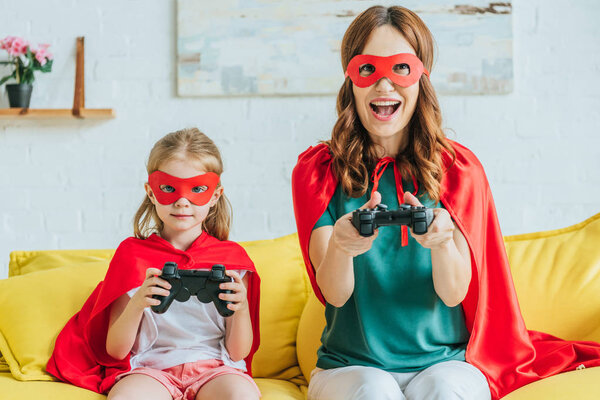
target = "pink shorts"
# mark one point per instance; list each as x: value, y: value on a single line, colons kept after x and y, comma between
x: 185, y: 380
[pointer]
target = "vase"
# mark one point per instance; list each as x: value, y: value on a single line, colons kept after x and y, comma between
x: 19, y: 94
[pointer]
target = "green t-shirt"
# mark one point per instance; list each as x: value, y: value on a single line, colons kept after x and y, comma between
x: 394, y: 320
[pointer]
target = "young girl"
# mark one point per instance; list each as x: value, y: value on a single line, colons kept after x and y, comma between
x: 117, y: 344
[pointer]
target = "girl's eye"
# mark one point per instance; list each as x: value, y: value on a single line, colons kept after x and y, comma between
x: 366, y: 69
x: 199, y: 189
x: 167, y: 188
x: 401, y: 69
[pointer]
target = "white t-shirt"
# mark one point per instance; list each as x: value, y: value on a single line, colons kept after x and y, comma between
x: 186, y: 332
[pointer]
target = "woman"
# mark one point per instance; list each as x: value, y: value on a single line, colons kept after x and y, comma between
x: 394, y: 328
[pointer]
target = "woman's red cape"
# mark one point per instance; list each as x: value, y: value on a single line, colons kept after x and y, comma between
x: 500, y: 345
x: 80, y: 356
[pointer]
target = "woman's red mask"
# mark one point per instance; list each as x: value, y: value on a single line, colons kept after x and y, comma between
x: 403, y: 69
x: 168, y: 189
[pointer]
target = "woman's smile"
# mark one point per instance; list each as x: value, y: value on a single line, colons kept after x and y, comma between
x: 385, y: 109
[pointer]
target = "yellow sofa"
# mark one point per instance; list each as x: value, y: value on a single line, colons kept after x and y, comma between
x: 556, y: 273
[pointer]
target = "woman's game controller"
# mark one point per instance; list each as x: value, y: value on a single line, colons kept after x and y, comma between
x: 416, y: 218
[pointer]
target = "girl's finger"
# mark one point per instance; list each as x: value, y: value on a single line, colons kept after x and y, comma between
x: 236, y: 287
x: 156, y: 281
x: 236, y: 277
x: 235, y: 297
x: 152, y: 271
x: 152, y: 290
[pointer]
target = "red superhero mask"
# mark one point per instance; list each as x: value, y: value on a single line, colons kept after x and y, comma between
x: 197, y: 189
x: 403, y: 69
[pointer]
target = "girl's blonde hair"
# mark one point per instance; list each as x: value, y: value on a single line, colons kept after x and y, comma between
x: 192, y: 144
x: 353, y: 152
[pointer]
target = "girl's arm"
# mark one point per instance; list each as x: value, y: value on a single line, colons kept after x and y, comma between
x: 126, y: 314
x: 238, y: 327
x: 332, y: 250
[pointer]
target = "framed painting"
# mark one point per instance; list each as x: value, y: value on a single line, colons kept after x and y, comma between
x: 291, y: 47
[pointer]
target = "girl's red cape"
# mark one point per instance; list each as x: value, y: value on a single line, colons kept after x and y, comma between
x: 80, y: 356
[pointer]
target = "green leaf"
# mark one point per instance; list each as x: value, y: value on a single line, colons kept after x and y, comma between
x: 27, y: 76
x: 7, y: 77
x: 47, y: 67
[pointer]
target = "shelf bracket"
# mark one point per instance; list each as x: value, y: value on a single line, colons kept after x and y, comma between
x: 79, y: 96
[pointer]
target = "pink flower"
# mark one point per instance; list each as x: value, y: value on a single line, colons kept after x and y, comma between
x: 18, y: 47
x: 42, y: 55
x: 6, y: 43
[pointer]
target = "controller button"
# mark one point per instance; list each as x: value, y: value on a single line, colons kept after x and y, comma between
x: 420, y: 227
x: 366, y: 229
x: 365, y: 217
x: 419, y: 214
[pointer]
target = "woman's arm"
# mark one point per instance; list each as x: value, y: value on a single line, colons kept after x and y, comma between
x: 332, y: 250
x: 450, y: 255
x: 238, y: 327
x: 126, y: 314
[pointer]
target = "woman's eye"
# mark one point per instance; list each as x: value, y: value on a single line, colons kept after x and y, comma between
x: 366, y: 69
x: 401, y: 69
x: 167, y: 188
x: 199, y: 189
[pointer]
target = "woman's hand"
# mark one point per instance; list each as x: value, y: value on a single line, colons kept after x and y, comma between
x: 152, y: 285
x: 441, y: 230
x: 239, y: 298
x: 345, y: 236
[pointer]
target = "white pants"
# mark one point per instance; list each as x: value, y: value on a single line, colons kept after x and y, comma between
x: 442, y: 381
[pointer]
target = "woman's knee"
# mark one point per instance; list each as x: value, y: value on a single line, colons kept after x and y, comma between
x: 452, y: 381
x: 354, y: 383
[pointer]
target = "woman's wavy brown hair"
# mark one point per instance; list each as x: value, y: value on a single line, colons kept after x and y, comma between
x: 353, y: 151
x: 186, y: 144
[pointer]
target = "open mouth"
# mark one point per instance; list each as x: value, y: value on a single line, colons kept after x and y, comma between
x: 384, y: 109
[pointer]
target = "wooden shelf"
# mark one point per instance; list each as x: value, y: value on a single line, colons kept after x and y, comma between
x: 59, y: 113
x: 78, y: 111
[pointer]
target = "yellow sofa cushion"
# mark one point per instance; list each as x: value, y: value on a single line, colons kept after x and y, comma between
x: 35, y: 307
x: 310, y: 329
x: 580, y: 385
x: 24, y: 262
x: 557, y: 278
x: 284, y: 290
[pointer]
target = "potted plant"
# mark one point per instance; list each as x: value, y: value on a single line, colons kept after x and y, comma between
x: 24, y: 60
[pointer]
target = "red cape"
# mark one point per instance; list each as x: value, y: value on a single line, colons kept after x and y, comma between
x: 507, y: 353
x: 80, y: 356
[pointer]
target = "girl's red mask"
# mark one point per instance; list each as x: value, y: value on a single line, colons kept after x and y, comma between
x: 403, y: 69
x: 197, y: 189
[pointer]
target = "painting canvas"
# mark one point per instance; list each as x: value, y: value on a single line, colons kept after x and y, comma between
x: 292, y: 47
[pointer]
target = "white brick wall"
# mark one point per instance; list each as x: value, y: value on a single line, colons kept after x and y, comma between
x: 76, y: 184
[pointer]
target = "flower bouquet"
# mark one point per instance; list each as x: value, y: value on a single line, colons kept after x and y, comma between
x: 25, y: 60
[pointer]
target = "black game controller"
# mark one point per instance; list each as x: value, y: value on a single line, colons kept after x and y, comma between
x: 201, y: 283
x: 416, y: 218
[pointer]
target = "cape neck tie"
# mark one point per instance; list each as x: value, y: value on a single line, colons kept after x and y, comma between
x: 377, y: 174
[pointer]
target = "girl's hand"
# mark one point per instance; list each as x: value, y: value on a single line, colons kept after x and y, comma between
x: 152, y: 285
x: 346, y: 237
x: 441, y: 230
x: 239, y: 298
